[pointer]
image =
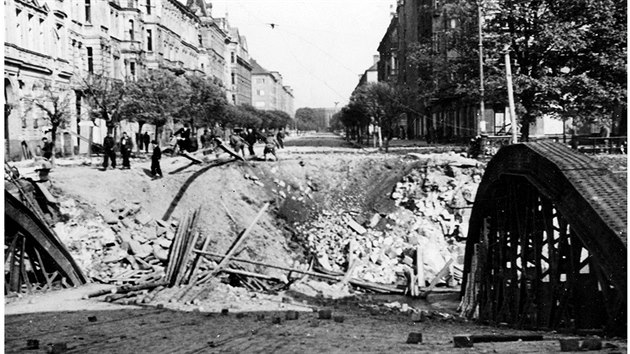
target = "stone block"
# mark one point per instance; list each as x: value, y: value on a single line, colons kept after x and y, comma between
x: 126, y: 223
x: 414, y: 338
x: 325, y: 314
x: 32, y: 344
x: 58, y: 348
x: 355, y: 226
x: 339, y: 319
x: 143, y: 218
x: 591, y: 344
x: 463, y: 341
x: 109, y: 217
x: 569, y: 345
x: 291, y: 315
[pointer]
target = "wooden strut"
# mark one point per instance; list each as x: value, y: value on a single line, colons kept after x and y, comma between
x: 235, y: 247
x: 359, y: 283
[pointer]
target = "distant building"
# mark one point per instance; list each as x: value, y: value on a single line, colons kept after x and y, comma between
x: 371, y: 74
x: 268, y: 92
x: 56, y: 44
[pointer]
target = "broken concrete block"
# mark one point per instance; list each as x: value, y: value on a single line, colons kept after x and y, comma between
x: 164, y: 243
x: 143, y: 218
x: 124, y: 236
x: 414, y: 338
x: 325, y: 314
x: 591, y: 344
x: 464, y: 341
x: 109, y: 218
x: 160, y: 231
x: 339, y: 319
x: 374, y: 220
x: 569, y: 345
x: 134, y: 209
x: 291, y: 315
x: 126, y: 223
x: 355, y: 226
x: 160, y: 254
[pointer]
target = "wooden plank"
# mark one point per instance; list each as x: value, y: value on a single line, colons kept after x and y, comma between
x: 240, y: 241
x: 46, y: 193
x: 187, y: 155
x: 488, y: 338
x: 444, y: 271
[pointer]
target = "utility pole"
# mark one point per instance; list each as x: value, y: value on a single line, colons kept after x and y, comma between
x: 482, y: 106
x: 508, y: 77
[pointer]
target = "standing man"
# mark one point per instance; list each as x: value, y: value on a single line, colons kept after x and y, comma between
x: 125, y: 150
x: 184, y: 138
x: 270, y: 146
x: 238, y: 144
x: 280, y: 138
x: 146, y: 139
x: 251, y: 137
x: 109, y: 153
x: 47, y: 148
x: 155, y: 160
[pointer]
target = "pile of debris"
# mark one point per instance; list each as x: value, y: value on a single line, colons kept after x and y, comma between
x: 422, y: 238
x: 128, y: 247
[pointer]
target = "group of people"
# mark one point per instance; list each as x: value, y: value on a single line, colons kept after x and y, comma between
x: 126, y: 145
x: 250, y: 137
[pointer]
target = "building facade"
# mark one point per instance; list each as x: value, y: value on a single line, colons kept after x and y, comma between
x: 268, y: 92
x: 51, y: 46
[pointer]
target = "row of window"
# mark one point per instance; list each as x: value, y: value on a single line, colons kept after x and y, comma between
x: 130, y: 4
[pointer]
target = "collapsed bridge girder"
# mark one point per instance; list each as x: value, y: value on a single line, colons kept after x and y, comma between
x: 547, y: 242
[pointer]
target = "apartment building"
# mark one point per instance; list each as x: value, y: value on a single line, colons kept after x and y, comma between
x: 268, y: 91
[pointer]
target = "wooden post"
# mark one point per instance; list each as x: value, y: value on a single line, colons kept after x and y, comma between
x: 508, y: 77
x: 420, y: 266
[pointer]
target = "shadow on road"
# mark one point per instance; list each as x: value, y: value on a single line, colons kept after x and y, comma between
x: 189, y: 181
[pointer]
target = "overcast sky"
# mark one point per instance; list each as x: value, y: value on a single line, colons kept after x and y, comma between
x: 320, y: 47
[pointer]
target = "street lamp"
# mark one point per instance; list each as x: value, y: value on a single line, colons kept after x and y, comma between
x: 482, y: 106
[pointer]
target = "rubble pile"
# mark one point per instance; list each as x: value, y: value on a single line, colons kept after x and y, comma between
x: 434, y: 202
x: 127, y: 247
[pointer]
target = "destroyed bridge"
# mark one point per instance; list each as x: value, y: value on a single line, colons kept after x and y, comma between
x: 546, y: 248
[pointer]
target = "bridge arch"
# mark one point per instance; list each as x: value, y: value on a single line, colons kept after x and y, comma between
x: 547, y: 242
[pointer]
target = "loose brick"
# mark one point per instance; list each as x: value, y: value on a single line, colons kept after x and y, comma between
x: 339, y: 319
x: 325, y: 314
x: 32, y: 344
x: 591, y: 344
x: 58, y: 348
x: 291, y: 315
x: 414, y: 338
x: 569, y: 345
x: 463, y: 341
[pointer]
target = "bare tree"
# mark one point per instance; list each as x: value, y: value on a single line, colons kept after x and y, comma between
x: 56, y: 105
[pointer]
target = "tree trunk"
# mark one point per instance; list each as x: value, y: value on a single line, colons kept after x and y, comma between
x: 139, y: 142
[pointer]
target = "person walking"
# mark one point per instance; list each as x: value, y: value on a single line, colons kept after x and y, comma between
x: 125, y: 150
x: 156, y: 171
x: 251, y: 137
x: 109, y: 154
x: 270, y: 146
x: 146, y: 139
x: 184, y: 138
x: 280, y: 138
x: 238, y: 144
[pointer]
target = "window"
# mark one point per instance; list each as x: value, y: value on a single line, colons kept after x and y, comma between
x: 90, y: 60
x: 233, y: 78
x: 88, y: 11
x: 200, y: 40
x: 149, y: 40
x: 234, y: 99
x: 260, y: 92
x: 148, y: 7
x: 131, y: 30
x: 232, y: 57
x: 132, y: 69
